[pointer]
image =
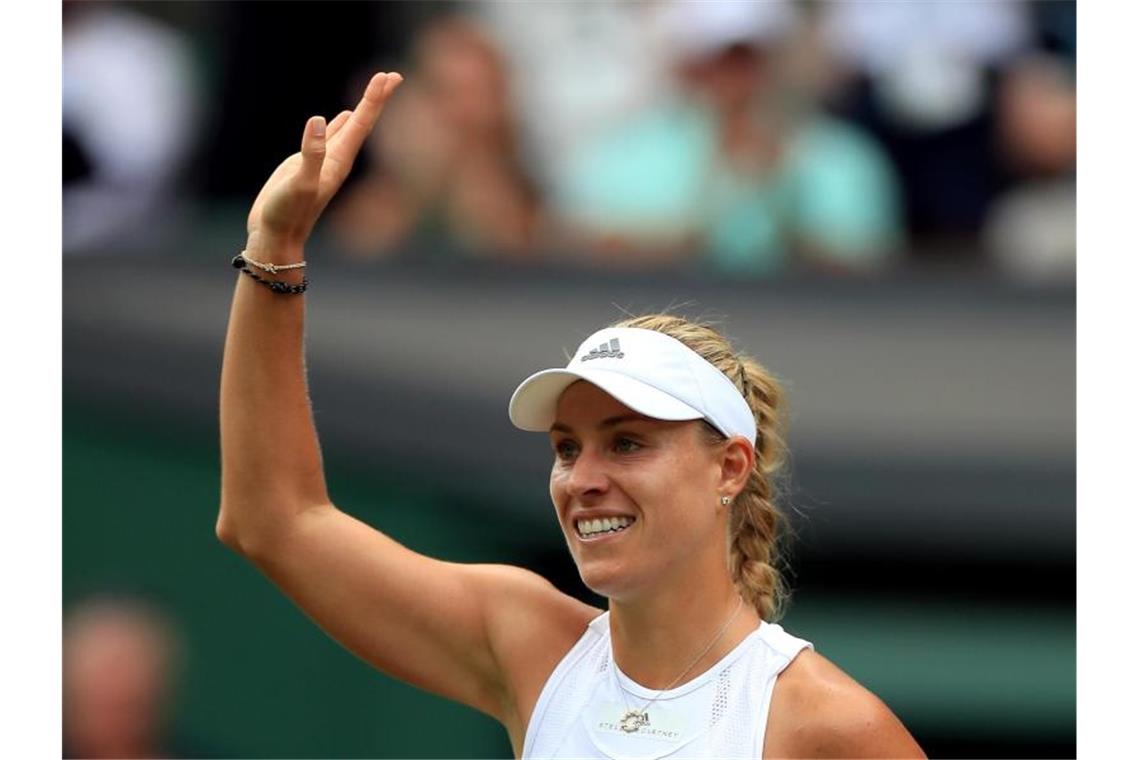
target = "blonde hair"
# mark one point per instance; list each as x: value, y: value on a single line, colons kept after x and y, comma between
x: 756, y: 527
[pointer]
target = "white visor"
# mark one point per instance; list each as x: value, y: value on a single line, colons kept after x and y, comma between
x: 648, y: 371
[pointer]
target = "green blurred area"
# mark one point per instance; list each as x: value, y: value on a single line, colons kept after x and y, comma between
x: 261, y: 680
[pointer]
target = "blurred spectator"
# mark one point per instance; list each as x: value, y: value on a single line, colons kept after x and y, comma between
x: 444, y: 161
x: 576, y: 69
x: 129, y: 120
x: 734, y: 166
x: 1031, y: 231
x: 119, y: 665
x: 919, y: 76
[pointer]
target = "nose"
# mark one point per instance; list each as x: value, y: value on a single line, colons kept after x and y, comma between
x: 587, y: 480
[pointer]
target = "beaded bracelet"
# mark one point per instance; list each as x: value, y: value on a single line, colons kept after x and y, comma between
x: 271, y: 267
x: 277, y: 286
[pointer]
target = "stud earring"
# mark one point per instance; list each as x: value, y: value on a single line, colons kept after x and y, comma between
x: 724, y: 500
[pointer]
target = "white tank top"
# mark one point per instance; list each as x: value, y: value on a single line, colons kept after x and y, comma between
x: 721, y: 713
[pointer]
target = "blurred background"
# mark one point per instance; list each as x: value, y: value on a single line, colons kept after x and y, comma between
x: 876, y: 198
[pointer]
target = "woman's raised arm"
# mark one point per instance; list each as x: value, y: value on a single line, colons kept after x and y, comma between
x: 486, y: 636
x: 270, y: 454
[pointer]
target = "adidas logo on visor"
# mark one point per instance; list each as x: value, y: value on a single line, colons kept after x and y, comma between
x: 610, y: 350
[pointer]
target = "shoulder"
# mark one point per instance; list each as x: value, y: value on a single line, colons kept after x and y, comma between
x: 619, y: 170
x: 530, y: 623
x: 525, y: 608
x: 530, y: 626
x: 833, y: 138
x: 826, y: 153
x: 819, y: 711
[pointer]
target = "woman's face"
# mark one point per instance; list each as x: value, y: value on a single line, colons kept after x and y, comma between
x: 658, y: 479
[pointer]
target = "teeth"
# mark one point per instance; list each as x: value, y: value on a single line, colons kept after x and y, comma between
x: 612, y: 524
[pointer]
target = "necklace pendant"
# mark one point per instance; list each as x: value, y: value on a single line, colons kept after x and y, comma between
x: 633, y: 720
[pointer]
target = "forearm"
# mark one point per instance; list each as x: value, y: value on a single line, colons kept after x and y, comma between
x: 271, y: 463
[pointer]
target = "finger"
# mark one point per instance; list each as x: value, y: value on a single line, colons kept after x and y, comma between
x: 336, y: 124
x: 312, y: 152
x: 363, y: 118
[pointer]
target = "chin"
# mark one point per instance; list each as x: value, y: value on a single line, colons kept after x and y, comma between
x: 607, y: 578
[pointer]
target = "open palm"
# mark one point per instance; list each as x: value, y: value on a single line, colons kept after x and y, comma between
x: 297, y: 192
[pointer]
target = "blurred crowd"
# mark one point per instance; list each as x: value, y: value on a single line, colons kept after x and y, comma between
x: 749, y: 138
x: 122, y: 655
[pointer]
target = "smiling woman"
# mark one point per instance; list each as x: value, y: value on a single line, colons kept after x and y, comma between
x: 675, y: 359
x: 665, y: 443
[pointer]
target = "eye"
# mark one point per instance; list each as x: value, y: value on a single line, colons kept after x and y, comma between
x: 624, y: 445
x: 565, y: 449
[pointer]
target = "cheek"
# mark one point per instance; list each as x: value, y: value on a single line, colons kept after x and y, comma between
x: 682, y: 510
x: 687, y: 494
x: 558, y: 491
x: 557, y: 484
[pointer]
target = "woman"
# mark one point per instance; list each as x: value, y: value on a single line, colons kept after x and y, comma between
x: 681, y: 663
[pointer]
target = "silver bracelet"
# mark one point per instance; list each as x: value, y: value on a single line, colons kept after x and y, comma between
x: 271, y: 268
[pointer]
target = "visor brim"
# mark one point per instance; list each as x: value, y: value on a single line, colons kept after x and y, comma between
x: 534, y: 403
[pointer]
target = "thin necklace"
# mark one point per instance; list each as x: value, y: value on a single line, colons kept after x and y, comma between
x: 634, y: 720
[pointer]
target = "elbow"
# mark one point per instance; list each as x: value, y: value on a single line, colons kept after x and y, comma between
x: 241, y: 541
x: 239, y: 535
x: 227, y: 531
x: 255, y: 535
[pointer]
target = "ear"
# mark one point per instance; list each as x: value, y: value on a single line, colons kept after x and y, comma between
x: 736, y: 466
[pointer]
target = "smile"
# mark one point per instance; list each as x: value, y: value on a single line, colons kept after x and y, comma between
x: 603, y: 526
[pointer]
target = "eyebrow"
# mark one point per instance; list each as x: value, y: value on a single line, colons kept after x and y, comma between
x: 608, y: 422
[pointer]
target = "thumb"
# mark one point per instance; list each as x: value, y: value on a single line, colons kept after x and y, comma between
x: 312, y: 152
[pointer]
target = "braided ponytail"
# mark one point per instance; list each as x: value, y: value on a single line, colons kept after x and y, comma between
x: 756, y: 527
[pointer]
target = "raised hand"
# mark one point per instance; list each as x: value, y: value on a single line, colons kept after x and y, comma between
x: 294, y: 196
